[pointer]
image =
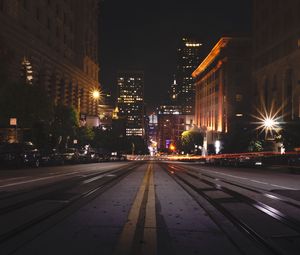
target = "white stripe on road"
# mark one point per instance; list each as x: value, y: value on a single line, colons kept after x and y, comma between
x: 283, y: 187
x: 259, y: 182
x: 243, y: 178
x: 36, y: 180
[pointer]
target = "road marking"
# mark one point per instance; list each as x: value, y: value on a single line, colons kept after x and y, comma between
x: 258, y: 182
x: 93, y: 179
x: 36, y: 180
x: 126, y: 239
x: 237, y: 177
x: 150, y: 240
x: 283, y: 187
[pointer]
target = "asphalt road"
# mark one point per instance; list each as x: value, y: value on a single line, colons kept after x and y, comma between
x: 149, y: 207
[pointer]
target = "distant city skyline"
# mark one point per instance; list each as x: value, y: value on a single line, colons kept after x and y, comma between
x: 144, y: 36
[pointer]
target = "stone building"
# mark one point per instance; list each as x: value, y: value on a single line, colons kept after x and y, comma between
x: 276, y: 45
x: 54, y: 44
x: 223, y: 86
x: 171, y: 124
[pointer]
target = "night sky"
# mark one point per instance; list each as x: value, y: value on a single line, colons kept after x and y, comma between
x: 143, y: 35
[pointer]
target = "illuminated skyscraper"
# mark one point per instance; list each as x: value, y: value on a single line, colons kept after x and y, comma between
x: 188, y: 58
x: 131, y: 101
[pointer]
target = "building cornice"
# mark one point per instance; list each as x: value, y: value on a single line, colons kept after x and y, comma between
x: 222, y: 43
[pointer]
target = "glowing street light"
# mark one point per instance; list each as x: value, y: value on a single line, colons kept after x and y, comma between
x: 95, y: 94
x: 172, y: 147
x: 268, y: 122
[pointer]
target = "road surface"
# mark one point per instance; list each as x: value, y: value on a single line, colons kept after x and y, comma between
x: 149, y: 207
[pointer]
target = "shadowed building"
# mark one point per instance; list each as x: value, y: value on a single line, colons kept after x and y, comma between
x: 171, y: 124
x: 54, y: 44
x: 277, y: 57
x: 223, y: 82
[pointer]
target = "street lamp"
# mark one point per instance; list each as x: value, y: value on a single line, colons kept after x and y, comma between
x: 269, y: 124
x: 95, y: 94
x: 172, y: 147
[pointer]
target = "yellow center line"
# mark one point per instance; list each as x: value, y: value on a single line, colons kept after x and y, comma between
x: 150, y: 241
x: 127, y: 236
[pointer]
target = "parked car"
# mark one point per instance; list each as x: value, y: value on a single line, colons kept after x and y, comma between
x: 247, y: 161
x: 70, y: 155
x: 88, y: 154
x: 294, y: 163
x: 19, y: 155
x: 51, y: 157
x: 117, y: 156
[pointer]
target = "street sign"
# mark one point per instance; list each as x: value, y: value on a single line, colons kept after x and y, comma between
x: 13, y: 121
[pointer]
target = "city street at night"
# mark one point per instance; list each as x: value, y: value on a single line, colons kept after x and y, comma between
x: 149, y: 207
x: 149, y: 127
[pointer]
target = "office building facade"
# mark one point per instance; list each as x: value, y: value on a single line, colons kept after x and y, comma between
x: 53, y: 44
x: 131, y: 101
x: 188, y: 58
x: 276, y: 43
x: 223, y: 88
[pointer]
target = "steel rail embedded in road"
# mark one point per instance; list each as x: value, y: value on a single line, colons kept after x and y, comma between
x: 252, y: 233
x: 27, y: 197
x: 70, y: 205
x: 270, y: 211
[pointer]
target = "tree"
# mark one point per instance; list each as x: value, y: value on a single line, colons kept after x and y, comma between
x: 137, y: 145
x: 290, y: 135
x: 64, y: 126
x: 189, y: 139
x: 85, y: 135
x: 238, y: 140
x: 30, y: 105
x: 255, y: 145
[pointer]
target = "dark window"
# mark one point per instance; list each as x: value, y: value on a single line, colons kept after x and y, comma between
x: 57, y: 10
x: 57, y: 32
x: 38, y: 13
x: 2, y: 5
x: 288, y: 93
x: 65, y: 18
x: 25, y: 4
x: 274, y: 88
x: 266, y: 94
x: 48, y: 23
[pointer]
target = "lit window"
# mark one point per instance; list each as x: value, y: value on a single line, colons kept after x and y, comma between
x: 239, y: 97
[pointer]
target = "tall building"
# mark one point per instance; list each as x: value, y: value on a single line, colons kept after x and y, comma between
x: 53, y: 44
x: 188, y: 58
x: 223, y: 89
x: 131, y: 101
x: 277, y: 57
